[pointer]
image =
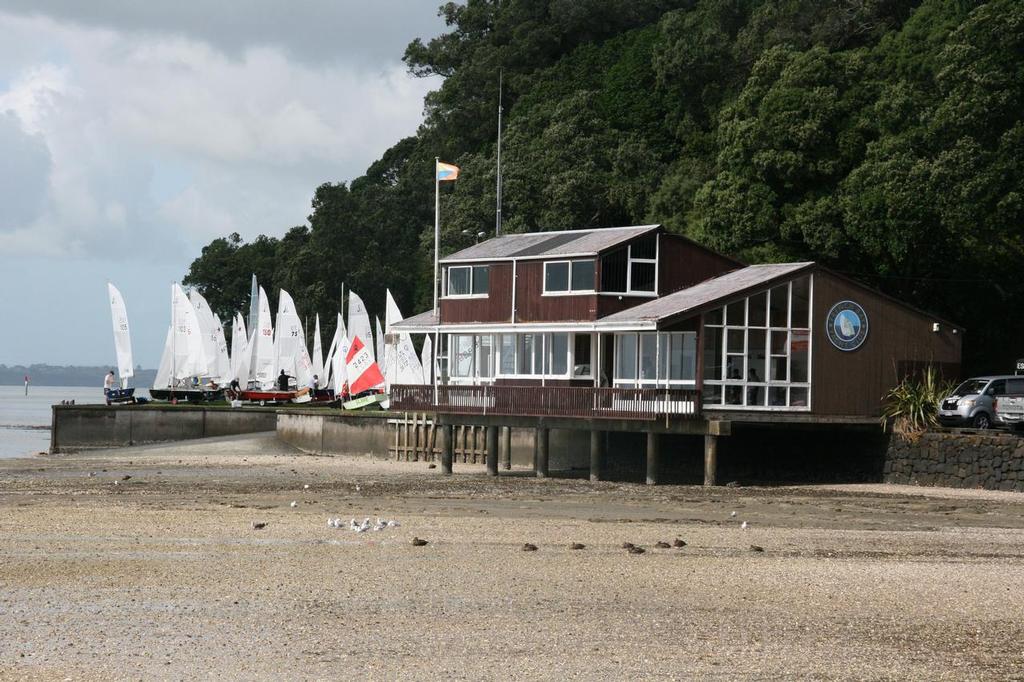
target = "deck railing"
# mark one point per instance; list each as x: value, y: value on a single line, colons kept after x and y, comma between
x: 554, y: 401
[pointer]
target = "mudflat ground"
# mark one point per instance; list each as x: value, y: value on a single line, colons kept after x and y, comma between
x: 162, y: 576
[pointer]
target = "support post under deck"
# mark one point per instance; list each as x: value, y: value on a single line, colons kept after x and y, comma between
x: 506, y: 450
x: 492, y: 450
x: 653, y: 458
x: 710, y: 459
x: 540, y: 452
x: 447, y: 448
x: 596, y: 454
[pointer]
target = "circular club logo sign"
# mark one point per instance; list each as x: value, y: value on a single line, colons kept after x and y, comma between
x: 847, y: 325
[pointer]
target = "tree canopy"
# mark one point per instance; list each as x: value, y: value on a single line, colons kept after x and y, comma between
x: 882, y: 138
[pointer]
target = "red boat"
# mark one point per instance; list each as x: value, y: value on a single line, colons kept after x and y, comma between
x: 274, y: 396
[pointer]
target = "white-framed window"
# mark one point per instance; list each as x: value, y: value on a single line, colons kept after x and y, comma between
x: 633, y: 269
x: 550, y: 355
x: 471, y: 358
x: 655, y: 359
x: 467, y: 281
x: 563, y: 277
x: 757, y: 350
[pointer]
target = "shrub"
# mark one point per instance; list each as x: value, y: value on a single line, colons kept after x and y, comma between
x: 911, y: 407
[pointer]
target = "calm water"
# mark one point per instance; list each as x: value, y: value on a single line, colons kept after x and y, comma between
x: 25, y: 420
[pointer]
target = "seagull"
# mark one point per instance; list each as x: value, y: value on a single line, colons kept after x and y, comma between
x: 417, y: 542
x: 259, y: 525
x: 636, y: 550
x: 352, y: 525
x: 662, y: 545
x: 732, y: 514
x: 305, y: 487
x: 294, y: 504
x: 627, y: 545
x: 577, y: 545
x: 380, y: 525
x: 743, y: 526
x: 357, y: 487
x: 756, y: 548
x: 679, y: 543
x: 393, y: 524
x: 529, y: 547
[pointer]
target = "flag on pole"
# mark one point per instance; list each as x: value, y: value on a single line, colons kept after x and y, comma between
x: 446, y: 171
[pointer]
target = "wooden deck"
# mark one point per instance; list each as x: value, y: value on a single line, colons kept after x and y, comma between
x: 549, y: 401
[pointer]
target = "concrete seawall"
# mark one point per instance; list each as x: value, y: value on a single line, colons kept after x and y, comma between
x: 82, y: 427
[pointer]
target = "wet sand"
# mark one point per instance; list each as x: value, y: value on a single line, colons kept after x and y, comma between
x: 161, y: 575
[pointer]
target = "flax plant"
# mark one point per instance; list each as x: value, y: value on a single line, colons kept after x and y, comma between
x: 911, y: 407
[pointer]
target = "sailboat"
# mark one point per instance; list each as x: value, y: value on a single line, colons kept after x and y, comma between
x: 185, y: 357
x: 123, y: 347
x: 289, y: 359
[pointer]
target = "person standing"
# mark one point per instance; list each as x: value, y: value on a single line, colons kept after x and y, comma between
x: 108, y: 383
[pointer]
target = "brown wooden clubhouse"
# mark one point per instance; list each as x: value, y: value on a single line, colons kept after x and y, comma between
x: 634, y: 328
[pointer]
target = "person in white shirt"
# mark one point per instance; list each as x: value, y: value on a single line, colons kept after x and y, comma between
x: 108, y: 383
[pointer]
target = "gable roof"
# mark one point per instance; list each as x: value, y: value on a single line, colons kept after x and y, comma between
x: 549, y: 244
x: 706, y: 294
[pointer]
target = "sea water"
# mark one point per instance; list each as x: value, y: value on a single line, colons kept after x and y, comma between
x: 25, y: 419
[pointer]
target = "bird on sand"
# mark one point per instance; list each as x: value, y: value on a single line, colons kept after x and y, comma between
x: 418, y: 542
x: 259, y: 525
x: 294, y: 504
x: 577, y: 545
x: 660, y: 544
x: 679, y: 542
x: 732, y: 514
x: 743, y: 526
x: 529, y: 547
x: 627, y: 545
x: 756, y: 548
x: 636, y: 550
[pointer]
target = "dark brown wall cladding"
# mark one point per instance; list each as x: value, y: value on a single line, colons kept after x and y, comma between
x: 497, y: 307
x: 853, y: 382
x: 533, y: 306
x: 683, y: 263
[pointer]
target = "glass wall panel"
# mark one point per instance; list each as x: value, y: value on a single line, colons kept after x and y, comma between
x: 462, y: 364
x: 756, y: 345
x: 798, y: 353
x: 713, y: 316
x: 798, y: 396
x: 524, y: 353
x: 458, y: 281
x: 642, y: 277
x: 779, y: 306
x: 559, y: 354
x: 485, y: 361
x: 648, y: 357
x: 801, y: 302
x: 712, y: 353
x: 734, y: 314
x: 625, y: 356
x: 757, y: 310
x: 777, y: 396
x: 735, y: 339
x: 508, y: 353
x: 712, y: 394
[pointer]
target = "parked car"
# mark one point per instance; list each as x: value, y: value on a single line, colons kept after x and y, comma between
x: 1009, y: 407
x: 972, y: 403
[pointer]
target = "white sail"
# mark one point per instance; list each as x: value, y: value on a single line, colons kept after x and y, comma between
x: 427, y: 360
x: 339, y: 365
x: 223, y: 364
x: 381, y: 348
x: 254, y: 304
x: 262, y: 341
x: 189, y: 359
x: 163, y: 373
x: 243, y: 364
x: 403, y: 365
x: 239, y: 341
x: 287, y: 336
x: 207, y: 331
x: 359, y: 322
x: 122, y: 335
x: 318, y: 354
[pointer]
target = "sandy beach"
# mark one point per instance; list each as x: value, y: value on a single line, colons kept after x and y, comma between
x: 143, y: 563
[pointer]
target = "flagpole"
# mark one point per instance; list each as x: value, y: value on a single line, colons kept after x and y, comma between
x: 437, y: 228
x: 497, y: 218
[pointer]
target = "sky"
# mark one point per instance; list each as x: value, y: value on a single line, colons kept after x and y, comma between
x: 134, y: 133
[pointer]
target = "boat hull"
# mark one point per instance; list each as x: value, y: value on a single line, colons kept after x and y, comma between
x: 187, y: 395
x: 119, y: 396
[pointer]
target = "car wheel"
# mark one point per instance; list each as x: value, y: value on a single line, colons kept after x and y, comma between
x: 981, y: 421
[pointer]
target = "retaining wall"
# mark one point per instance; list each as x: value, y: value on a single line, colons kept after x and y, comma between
x: 994, y: 461
x: 81, y: 427
x: 368, y: 433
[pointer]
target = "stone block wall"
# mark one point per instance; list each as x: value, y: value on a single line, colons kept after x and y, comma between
x: 994, y: 461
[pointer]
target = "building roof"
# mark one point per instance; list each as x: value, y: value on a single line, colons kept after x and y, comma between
x: 703, y: 295
x: 417, y: 323
x: 549, y: 244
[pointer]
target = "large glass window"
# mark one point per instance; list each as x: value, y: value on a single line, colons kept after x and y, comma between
x: 757, y: 349
x: 655, y: 359
x: 462, y: 355
x: 559, y: 353
x: 581, y: 355
x: 468, y: 280
x: 565, y: 276
x: 507, y: 350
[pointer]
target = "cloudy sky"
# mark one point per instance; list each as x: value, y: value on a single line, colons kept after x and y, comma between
x: 133, y: 133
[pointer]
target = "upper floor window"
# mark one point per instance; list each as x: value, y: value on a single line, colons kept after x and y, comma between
x: 633, y: 269
x: 562, y: 277
x: 468, y: 280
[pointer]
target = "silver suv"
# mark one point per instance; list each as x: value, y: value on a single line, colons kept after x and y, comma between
x: 972, y: 402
